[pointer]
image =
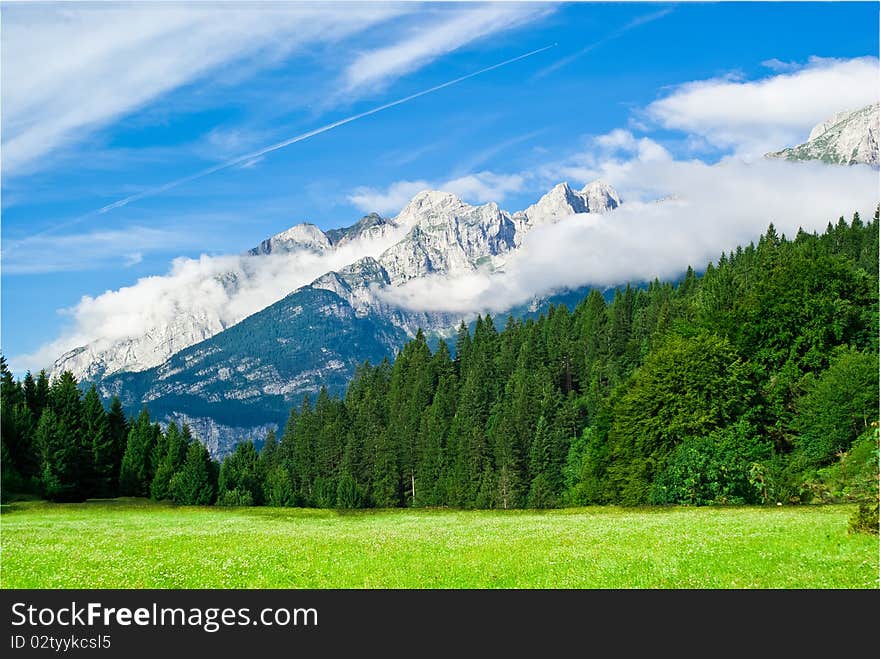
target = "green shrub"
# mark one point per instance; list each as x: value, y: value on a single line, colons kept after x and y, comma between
x: 715, y: 469
x: 236, y: 497
x: 866, y: 519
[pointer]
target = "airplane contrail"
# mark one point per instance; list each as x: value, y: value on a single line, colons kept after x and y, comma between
x: 293, y: 140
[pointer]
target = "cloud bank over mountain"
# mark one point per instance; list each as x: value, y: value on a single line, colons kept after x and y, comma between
x: 702, y: 211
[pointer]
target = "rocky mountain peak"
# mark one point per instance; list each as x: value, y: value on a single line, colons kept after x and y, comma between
x: 562, y: 201
x: 600, y: 197
x: 847, y: 138
x: 298, y: 237
x: 429, y: 204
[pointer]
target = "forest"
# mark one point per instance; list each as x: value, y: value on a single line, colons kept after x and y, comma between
x: 753, y: 382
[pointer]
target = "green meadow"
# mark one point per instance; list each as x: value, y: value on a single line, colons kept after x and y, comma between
x: 133, y: 543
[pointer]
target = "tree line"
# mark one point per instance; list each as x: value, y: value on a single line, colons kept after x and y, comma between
x: 66, y: 446
x: 753, y: 382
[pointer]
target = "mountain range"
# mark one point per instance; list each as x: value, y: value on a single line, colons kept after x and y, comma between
x: 235, y: 376
x: 236, y: 381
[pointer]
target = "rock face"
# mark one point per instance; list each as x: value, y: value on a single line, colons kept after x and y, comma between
x: 847, y: 138
x: 561, y: 201
x: 447, y: 236
x: 244, y: 380
x: 236, y: 381
x: 301, y: 236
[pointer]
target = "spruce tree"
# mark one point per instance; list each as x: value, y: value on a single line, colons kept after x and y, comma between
x: 117, y: 427
x: 96, y: 429
x: 17, y: 427
x: 240, y: 474
x: 59, y: 459
x: 136, y: 472
x: 65, y: 401
x: 195, y: 483
x: 176, y: 445
x: 277, y: 489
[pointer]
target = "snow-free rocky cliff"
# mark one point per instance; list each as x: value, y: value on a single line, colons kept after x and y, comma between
x: 232, y: 380
x: 847, y: 138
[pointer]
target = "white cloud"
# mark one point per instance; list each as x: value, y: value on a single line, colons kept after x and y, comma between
x: 210, y: 291
x: 775, y: 64
x: 133, y: 258
x: 88, y: 251
x: 389, y: 201
x: 69, y: 69
x: 754, y: 117
x: 707, y: 209
x: 476, y: 188
x: 439, y: 33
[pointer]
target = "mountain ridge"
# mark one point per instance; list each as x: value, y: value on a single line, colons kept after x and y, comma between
x: 435, y: 232
x: 847, y: 138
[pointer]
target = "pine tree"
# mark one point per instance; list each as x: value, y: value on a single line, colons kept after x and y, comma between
x: 302, y: 457
x: 176, y: 446
x: 96, y: 429
x: 277, y: 490
x: 410, y: 392
x: 269, y: 456
x: 195, y: 482
x: 136, y: 472
x: 329, y: 447
x: 16, y: 430
x: 117, y: 427
x: 41, y: 394
x: 65, y: 401
x: 239, y: 477
x: 59, y: 457
x: 541, y: 493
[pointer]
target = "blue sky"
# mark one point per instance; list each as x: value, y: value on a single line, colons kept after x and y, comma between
x: 102, y: 102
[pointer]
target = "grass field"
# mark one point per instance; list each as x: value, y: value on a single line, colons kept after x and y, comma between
x: 138, y: 544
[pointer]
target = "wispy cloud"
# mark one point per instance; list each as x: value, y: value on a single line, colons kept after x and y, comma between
x: 438, y: 33
x: 480, y: 158
x: 779, y: 66
x: 616, y: 34
x: 752, y: 117
x: 250, y: 159
x: 70, y: 69
x: 90, y: 251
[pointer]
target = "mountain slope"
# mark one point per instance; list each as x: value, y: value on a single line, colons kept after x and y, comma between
x: 231, y: 277
x: 244, y: 380
x: 847, y: 138
x: 241, y: 379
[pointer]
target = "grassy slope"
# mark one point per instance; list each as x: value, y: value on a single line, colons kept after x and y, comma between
x: 134, y: 544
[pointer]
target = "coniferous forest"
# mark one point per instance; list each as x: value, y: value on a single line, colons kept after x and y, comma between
x: 754, y: 382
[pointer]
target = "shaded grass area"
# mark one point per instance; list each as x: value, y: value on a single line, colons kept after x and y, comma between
x: 132, y: 543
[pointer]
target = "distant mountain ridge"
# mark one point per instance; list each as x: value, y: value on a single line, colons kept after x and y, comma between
x: 242, y: 379
x: 435, y: 232
x: 847, y: 138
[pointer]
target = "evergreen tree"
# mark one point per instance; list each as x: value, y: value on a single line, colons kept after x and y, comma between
x: 137, y: 471
x: 59, y: 459
x: 117, y: 428
x: 16, y: 431
x: 195, y: 483
x: 96, y: 429
x: 66, y: 403
x: 277, y: 490
x: 175, y: 449
x: 240, y: 476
